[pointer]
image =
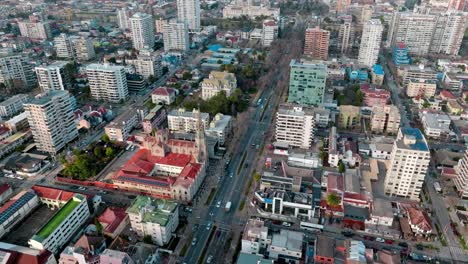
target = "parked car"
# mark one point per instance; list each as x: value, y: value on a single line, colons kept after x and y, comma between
x: 82, y: 188
x: 194, y: 241
x: 286, y: 224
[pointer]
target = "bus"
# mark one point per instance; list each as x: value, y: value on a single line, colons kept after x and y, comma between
x: 311, y: 226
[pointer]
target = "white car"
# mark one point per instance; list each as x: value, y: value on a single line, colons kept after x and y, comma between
x: 208, y: 226
x: 19, y: 177
x: 218, y: 204
x: 82, y: 188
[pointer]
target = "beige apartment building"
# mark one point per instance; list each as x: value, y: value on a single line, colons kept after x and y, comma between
x: 421, y: 87
x: 385, y: 119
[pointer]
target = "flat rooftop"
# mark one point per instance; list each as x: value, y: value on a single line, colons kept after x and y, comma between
x: 291, y: 240
x: 155, y: 210
x: 419, y: 142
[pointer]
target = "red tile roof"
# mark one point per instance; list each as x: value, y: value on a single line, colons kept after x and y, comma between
x: 166, y: 91
x: 4, y: 187
x: 419, y: 218
x: 112, y: 218
x: 447, y: 94
x: 334, y: 182
x: 52, y: 193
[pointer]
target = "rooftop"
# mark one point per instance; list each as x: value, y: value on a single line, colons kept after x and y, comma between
x: 15, y: 204
x: 52, y: 193
x: 13, y: 99
x: 59, y: 217
x: 325, y: 246
x: 219, y: 122
x: 377, y: 69
x: 382, y: 207
x: 112, y: 217
x: 154, y: 210
x: 45, y: 98
x: 190, y: 114
x: 245, y: 258
x: 416, y: 140
x: 437, y: 121
x: 290, y: 240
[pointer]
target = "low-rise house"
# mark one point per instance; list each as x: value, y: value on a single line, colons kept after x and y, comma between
x: 52, y: 197
x: 119, y: 129
x: 115, y: 257
x: 419, y: 222
x: 85, y: 250
x: 163, y: 95
x: 287, y: 245
x: 454, y: 108
x: 436, y: 125
x: 15, y: 254
x: 16, y: 209
x: 113, y: 221
x: 216, y: 82
x: 381, y: 213
x: 374, y: 96
x: 350, y: 117
x: 255, y: 237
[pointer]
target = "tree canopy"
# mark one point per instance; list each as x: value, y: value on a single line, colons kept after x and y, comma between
x: 333, y: 199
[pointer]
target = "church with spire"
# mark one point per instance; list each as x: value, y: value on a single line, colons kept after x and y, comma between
x: 166, y: 167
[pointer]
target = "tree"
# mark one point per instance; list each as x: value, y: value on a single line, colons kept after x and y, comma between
x: 98, y: 152
x: 148, y: 239
x: 341, y: 166
x: 187, y: 75
x: 109, y: 152
x: 426, y: 104
x: 105, y: 138
x: 98, y: 225
x: 333, y: 200
x: 257, y: 176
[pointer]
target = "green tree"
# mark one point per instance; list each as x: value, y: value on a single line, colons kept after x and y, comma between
x: 98, y: 152
x: 257, y: 176
x: 333, y: 200
x: 358, y: 98
x: 148, y: 239
x: 426, y: 104
x: 98, y: 225
x: 105, y: 138
x: 341, y: 166
x: 187, y: 75
x: 109, y: 152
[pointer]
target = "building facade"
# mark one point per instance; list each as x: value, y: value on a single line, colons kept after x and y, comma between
x: 345, y: 37
x: 269, y: 33
x: 316, y: 44
x: 147, y: 64
x: 385, y: 119
x: 349, y: 117
x: 307, y: 81
x: 64, y: 47
x: 176, y: 36
x: 34, y: 30
x: 119, y: 129
x: 295, y: 125
x: 107, y: 82
x: 53, y: 76
x: 13, y: 105
x: 188, y: 12
x: 408, y: 164
x: 461, y: 181
x: 421, y: 87
x: 51, y: 120
x: 216, y: 82
x: 123, y: 18
x: 370, y: 42
x: 180, y: 120
x: 142, y: 26
x: 16, y: 71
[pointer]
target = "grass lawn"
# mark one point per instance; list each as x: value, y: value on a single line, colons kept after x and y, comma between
x: 57, y: 219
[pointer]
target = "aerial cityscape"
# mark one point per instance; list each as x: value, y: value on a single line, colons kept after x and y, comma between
x: 233, y: 131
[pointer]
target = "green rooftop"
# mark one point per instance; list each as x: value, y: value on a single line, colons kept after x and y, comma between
x: 152, y: 209
x: 58, y: 218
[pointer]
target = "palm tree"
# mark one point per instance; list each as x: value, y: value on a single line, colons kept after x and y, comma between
x: 333, y: 200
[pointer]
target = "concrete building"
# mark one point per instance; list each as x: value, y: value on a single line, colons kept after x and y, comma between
x: 316, y: 44
x: 147, y: 64
x: 164, y: 95
x: 16, y: 71
x: 374, y: 96
x: 295, y: 125
x: 232, y: 11
x: 83, y: 48
x: 342, y: 6
x: 307, y: 82
x: 64, y: 47
x: 61, y: 227
x: 13, y: 105
x: 385, y: 119
x: 408, y: 164
x: 188, y: 12
x: 461, y: 181
x: 180, y: 120
x: 11, y: 253
x: 157, y: 218
x: 34, y: 30
x: 269, y: 33
x: 287, y: 245
x: 421, y: 87
x: 51, y: 120
x: 220, y: 128
x: 123, y: 18
x: 350, y: 117
x: 345, y: 37
x: 16, y: 209
x: 255, y: 237
x: 155, y: 119
x: 370, y: 42
x: 408, y: 72
x: 448, y: 34
x: 216, y: 82
x: 119, y: 129
x: 436, y: 125
x: 53, y: 76
x: 176, y: 36
x: 377, y: 74
x: 115, y: 257
x: 107, y: 82
x: 142, y: 26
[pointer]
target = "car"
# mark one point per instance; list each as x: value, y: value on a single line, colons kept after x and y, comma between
x: 209, y: 259
x: 347, y: 233
x: 231, y: 174
x: 419, y: 247
x: 194, y: 241
x: 19, y: 177
x: 208, y: 226
x: 379, y: 239
x: 286, y: 224
x: 403, y: 244
x: 82, y: 188
x: 388, y: 241
x: 218, y: 204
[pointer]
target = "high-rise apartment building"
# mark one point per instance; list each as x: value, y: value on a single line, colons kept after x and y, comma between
x: 400, y: 54
x: 34, y: 30
x: 461, y: 181
x: 64, y: 46
x: 188, y: 11
x: 345, y: 37
x: 176, y: 36
x: 16, y: 71
x: 421, y: 87
x: 142, y: 26
x: 83, y: 48
x: 385, y: 119
x: 295, y: 125
x: 269, y: 33
x: 107, y: 82
x: 342, y: 6
x: 147, y: 64
x: 307, y: 82
x: 316, y: 43
x: 408, y: 164
x: 370, y: 42
x: 123, y: 18
x: 183, y: 121
x: 13, y: 105
x: 448, y: 33
x: 53, y: 76
x: 50, y: 116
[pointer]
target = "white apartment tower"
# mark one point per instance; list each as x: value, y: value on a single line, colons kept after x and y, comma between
x: 83, y: 48
x: 188, y: 11
x: 123, y: 18
x: 16, y: 71
x: 142, y: 26
x: 448, y: 34
x: 461, y: 182
x: 53, y: 76
x: 295, y: 125
x: 408, y: 164
x: 107, y: 82
x: 64, y: 47
x: 270, y: 32
x: 34, y: 30
x: 176, y: 36
x: 147, y: 63
x: 51, y: 119
x: 345, y: 37
x: 370, y: 42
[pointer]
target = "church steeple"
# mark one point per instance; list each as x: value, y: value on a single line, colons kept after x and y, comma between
x: 200, y: 139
